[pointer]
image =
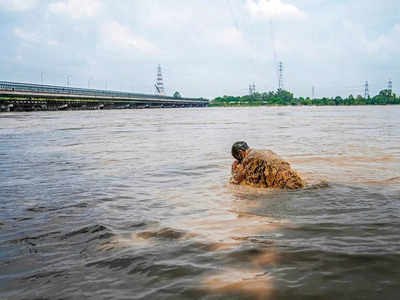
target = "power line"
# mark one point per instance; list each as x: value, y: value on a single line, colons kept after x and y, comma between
x: 232, y: 15
x: 272, y: 36
x: 69, y: 77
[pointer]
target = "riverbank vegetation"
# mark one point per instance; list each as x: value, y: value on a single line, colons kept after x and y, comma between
x: 282, y: 97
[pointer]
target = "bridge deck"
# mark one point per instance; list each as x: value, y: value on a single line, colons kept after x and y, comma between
x: 28, y: 91
x: 100, y: 98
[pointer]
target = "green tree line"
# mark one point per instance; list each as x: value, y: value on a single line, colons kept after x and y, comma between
x: 282, y: 97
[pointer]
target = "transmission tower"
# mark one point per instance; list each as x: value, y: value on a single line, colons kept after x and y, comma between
x: 159, y: 83
x: 252, y: 89
x: 280, y: 76
x: 366, y: 90
x: 313, y: 92
x: 390, y: 85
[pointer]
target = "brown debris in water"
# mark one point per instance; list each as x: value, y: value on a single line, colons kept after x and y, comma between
x: 229, y: 232
x: 125, y: 242
x: 165, y: 233
x: 254, y: 282
x: 375, y: 168
x: 264, y: 168
x: 384, y: 181
x: 267, y: 257
x: 345, y: 160
x: 146, y: 238
x: 247, y: 282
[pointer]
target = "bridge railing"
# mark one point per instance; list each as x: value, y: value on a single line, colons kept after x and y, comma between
x: 31, y: 88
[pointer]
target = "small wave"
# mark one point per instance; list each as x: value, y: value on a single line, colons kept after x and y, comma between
x: 250, y: 283
x: 384, y: 181
x: 71, y: 129
x: 302, y: 253
x: 45, y: 274
x: 47, y: 209
x: 316, y: 186
x: 136, y: 225
x: 145, y: 238
x: 343, y: 160
x: 164, y: 233
x: 29, y: 239
x: 21, y: 219
x: 115, y: 263
x: 85, y: 230
x: 37, y: 209
x: 13, y: 116
x: 121, y: 131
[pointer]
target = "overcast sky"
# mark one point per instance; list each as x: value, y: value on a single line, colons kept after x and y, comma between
x: 206, y: 48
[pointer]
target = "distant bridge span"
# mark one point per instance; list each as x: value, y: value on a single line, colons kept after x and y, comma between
x: 43, y: 96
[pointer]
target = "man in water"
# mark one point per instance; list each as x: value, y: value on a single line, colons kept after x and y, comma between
x: 262, y: 168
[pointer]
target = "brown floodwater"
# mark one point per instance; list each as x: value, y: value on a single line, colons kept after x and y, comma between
x: 136, y: 204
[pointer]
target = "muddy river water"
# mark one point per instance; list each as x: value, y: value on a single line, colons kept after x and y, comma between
x: 135, y: 204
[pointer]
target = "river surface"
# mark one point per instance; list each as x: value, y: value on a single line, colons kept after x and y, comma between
x: 135, y: 204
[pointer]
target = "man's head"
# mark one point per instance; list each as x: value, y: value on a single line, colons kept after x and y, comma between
x: 239, y: 150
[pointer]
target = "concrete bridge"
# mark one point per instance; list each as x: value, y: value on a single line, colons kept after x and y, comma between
x: 28, y: 97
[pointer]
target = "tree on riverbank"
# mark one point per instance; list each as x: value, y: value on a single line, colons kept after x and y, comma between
x: 177, y: 95
x: 282, y: 97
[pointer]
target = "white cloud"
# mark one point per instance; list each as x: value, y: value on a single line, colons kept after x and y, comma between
x: 31, y: 37
x: 116, y: 35
x: 386, y: 43
x: 227, y: 38
x: 28, y: 37
x: 76, y: 8
x: 355, y: 40
x: 274, y: 9
x: 18, y: 5
x: 165, y: 15
x: 230, y: 36
x: 53, y: 43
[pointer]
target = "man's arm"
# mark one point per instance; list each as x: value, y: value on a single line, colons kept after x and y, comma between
x: 238, y: 174
x: 234, y: 166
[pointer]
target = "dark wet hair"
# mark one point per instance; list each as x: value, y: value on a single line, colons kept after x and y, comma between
x: 236, y: 147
